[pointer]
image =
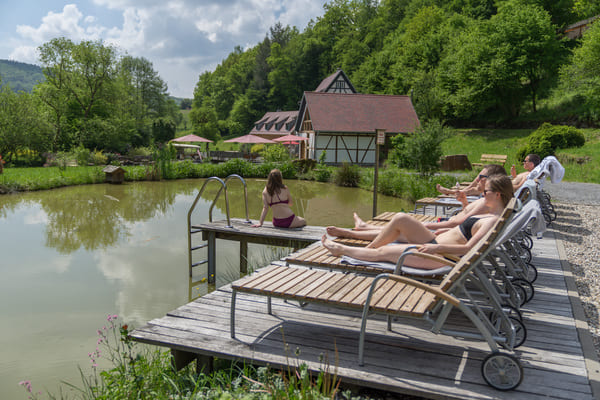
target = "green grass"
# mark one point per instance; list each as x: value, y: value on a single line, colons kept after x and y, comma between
x: 475, y: 142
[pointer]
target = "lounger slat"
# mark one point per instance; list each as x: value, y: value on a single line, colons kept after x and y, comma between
x: 333, y: 279
x: 349, y: 287
x: 304, y: 254
x: 355, y: 294
x: 379, y: 295
x: 402, y: 297
x: 418, y: 303
x: 396, y: 290
x: 321, y: 277
x: 299, y: 282
x: 339, y: 285
x: 276, y: 280
x: 256, y: 278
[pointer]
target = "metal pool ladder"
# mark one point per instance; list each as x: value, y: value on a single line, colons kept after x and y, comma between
x: 192, y: 229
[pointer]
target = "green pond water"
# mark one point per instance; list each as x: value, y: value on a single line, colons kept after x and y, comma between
x: 70, y: 257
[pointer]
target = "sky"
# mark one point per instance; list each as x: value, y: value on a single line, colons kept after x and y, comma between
x: 182, y: 38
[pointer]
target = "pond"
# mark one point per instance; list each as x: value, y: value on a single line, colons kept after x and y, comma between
x: 72, y: 256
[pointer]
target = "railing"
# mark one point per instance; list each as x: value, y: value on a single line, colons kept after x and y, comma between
x: 192, y: 230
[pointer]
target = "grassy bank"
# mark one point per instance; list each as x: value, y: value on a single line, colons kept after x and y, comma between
x: 581, y: 164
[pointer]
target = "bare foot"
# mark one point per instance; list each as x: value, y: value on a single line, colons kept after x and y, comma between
x: 335, y: 231
x: 334, y: 248
x: 443, y: 190
x: 358, y: 222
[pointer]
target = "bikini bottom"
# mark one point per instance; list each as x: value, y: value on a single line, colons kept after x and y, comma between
x: 284, y: 222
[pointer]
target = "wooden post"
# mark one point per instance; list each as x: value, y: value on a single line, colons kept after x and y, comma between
x: 212, y: 255
x: 243, y: 256
x: 380, y: 140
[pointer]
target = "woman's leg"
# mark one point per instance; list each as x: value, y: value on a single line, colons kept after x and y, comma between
x: 386, y: 253
x: 405, y: 228
x: 298, y: 222
x: 349, y: 233
x: 360, y: 225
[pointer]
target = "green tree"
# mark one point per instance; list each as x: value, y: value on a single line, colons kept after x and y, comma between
x: 22, y: 126
x: 501, y: 62
x: 582, y: 76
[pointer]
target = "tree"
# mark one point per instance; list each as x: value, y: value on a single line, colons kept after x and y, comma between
x: 501, y: 62
x: 582, y: 76
x: 22, y: 126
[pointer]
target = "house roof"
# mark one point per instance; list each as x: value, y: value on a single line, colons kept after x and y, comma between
x: 325, y: 85
x: 275, y: 123
x: 358, y: 113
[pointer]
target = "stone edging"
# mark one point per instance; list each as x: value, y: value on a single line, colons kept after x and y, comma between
x: 585, y: 338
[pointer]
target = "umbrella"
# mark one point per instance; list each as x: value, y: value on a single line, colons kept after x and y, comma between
x: 290, y: 142
x: 288, y: 138
x: 191, y: 138
x: 249, y: 139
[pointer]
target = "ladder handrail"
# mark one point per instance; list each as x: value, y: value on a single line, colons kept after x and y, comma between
x: 191, y: 210
x: 245, y: 192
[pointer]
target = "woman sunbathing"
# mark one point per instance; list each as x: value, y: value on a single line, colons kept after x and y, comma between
x: 277, y: 196
x: 458, y: 240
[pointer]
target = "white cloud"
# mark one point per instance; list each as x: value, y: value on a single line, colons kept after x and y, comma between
x: 182, y: 38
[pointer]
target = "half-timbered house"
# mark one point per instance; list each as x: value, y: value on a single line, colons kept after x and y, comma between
x: 344, y: 125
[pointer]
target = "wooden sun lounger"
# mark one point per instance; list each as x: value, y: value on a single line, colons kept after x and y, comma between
x: 395, y: 295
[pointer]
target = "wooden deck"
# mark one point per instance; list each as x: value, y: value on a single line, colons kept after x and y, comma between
x: 557, y: 357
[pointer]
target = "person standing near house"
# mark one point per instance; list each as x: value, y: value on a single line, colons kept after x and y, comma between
x: 277, y: 196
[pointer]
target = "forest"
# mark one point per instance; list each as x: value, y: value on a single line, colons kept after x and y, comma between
x: 481, y: 63
x: 500, y: 63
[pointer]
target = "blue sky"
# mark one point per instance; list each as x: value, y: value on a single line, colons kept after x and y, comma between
x: 182, y: 38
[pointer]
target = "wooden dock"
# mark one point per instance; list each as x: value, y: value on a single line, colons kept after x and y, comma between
x: 242, y: 231
x: 558, y: 357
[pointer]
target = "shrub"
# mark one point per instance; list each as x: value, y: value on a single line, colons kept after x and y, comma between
x: 548, y: 138
x: 82, y: 155
x: 347, y: 175
x: 420, y: 150
x: 98, y: 158
x: 276, y: 153
x: 322, y: 174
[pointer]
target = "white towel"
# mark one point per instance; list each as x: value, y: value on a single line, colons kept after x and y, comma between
x: 391, y: 267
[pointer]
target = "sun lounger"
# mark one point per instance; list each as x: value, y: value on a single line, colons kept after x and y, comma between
x: 400, y: 296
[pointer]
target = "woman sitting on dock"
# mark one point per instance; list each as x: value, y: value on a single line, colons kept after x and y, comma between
x: 457, y: 241
x: 277, y: 196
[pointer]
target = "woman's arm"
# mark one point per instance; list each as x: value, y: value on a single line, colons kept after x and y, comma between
x: 264, y: 212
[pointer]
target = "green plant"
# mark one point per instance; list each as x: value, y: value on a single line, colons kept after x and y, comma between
x: 276, y: 153
x: 420, y: 150
x: 98, y: 158
x: 548, y: 138
x: 347, y: 175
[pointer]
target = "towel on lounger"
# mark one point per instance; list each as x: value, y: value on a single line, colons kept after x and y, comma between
x: 391, y: 267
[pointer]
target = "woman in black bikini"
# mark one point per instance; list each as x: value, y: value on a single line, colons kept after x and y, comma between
x: 458, y: 240
x: 277, y: 196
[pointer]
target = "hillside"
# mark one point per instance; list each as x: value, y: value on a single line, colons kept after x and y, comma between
x: 20, y: 76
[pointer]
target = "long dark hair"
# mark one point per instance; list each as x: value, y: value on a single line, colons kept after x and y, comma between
x: 275, y: 182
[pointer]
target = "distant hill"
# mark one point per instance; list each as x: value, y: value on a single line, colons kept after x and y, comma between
x: 20, y: 76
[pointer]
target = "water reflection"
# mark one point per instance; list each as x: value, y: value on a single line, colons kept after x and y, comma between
x: 71, y: 256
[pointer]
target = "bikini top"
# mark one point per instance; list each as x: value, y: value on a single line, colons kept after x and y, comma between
x: 467, y: 226
x: 286, y: 201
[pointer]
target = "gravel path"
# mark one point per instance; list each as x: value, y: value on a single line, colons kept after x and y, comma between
x: 577, y: 222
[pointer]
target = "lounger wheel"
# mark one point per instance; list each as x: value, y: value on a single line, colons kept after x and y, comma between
x: 524, y: 288
x: 520, y: 331
x: 502, y: 371
x: 527, y: 241
x: 508, y: 310
x: 532, y: 273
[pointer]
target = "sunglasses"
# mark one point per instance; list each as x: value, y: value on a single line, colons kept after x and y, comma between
x: 481, y: 176
x: 486, y: 191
